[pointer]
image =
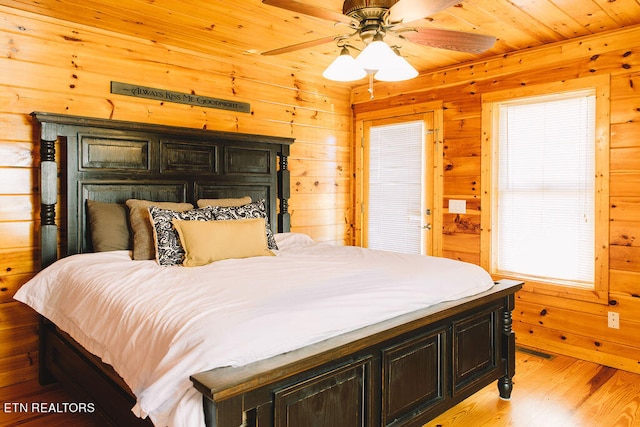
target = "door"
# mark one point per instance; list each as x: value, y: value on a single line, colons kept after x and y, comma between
x: 397, y: 185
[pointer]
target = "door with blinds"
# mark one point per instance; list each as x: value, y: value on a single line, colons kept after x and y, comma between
x: 397, y: 190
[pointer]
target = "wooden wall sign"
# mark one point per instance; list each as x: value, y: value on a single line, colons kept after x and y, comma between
x: 178, y: 97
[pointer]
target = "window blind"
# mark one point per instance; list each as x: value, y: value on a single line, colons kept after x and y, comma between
x: 395, y: 187
x: 546, y: 188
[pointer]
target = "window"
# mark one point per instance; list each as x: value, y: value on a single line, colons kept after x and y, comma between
x: 546, y: 189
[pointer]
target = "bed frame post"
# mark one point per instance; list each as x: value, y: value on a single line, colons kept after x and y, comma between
x: 505, y: 384
x: 48, y: 227
x: 48, y: 195
x: 284, y: 190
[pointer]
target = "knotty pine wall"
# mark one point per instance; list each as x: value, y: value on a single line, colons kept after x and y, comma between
x: 554, y: 323
x: 54, y: 66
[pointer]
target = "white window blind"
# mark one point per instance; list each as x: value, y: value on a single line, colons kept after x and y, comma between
x: 546, y: 187
x: 395, y: 187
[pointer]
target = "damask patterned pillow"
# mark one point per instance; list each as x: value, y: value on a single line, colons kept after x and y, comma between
x: 255, y: 209
x: 169, y: 251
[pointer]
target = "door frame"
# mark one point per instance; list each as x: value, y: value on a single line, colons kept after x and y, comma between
x: 434, y: 181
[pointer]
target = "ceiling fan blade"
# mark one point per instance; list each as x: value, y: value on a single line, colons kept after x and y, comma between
x: 299, y: 46
x: 451, y: 40
x: 411, y: 10
x: 306, y: 9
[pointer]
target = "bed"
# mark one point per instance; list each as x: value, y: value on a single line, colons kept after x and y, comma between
x: 372, y: 359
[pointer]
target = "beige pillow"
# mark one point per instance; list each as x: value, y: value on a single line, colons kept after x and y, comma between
x: 144, y: 246
x: 109, y: 226
x: 208, y: 241
x: 224, y: 202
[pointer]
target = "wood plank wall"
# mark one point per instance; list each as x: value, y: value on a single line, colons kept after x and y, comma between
x: 555, y: 323
x: 54, y: 66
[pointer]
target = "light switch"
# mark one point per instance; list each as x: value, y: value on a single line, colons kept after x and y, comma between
x: 457, y: 206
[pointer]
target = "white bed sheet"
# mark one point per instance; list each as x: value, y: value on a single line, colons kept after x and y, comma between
x: 158, y: 325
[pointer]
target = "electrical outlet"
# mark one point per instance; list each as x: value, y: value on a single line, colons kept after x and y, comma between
x: 614, y: 320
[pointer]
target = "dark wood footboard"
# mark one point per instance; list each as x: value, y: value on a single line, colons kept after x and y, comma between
x: 402, y: 372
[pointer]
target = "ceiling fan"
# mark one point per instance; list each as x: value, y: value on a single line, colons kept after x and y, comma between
x: 377, y: 18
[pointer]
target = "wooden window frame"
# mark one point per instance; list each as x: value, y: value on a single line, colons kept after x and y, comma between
x: 601, y: 86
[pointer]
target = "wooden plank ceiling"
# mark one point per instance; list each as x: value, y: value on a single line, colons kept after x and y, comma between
x: 241, y: 30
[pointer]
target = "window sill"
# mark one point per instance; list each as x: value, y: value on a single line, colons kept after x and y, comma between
x: 561, y: 291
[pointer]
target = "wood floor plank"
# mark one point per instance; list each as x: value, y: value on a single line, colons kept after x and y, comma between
x: 553, y: 392
x: 558, y: 396
x: 614, y: 404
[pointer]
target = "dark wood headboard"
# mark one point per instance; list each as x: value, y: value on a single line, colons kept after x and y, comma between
x: 112, y: 161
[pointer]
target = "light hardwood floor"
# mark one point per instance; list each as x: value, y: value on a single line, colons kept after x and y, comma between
x: 549, y: 391
x: 553, y: 391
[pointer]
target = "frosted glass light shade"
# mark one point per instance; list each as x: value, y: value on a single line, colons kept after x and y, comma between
x: 344, y: 68
x: 375, y: 56
x: 396, y: 70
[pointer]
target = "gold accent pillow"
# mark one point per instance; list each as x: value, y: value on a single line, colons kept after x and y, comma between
x: 205, y: 242
x: 144, y: 246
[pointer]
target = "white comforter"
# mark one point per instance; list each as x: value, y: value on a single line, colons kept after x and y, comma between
x: 158, y: 325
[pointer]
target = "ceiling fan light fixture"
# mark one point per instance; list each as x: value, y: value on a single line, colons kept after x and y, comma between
x: 371, y: 21
x: 344, y: 68
x: 396, y: 70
